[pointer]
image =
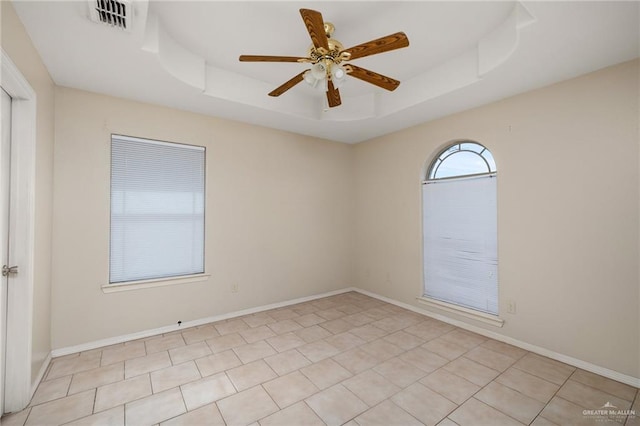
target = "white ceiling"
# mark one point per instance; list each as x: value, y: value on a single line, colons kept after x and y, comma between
x: 184, y: 55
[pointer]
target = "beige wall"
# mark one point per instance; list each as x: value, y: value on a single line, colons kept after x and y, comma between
x: 17, y: 44
x: 567, y: 159
x: 278, y: 218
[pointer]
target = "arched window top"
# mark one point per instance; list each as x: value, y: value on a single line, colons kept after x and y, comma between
x: 462, y: 159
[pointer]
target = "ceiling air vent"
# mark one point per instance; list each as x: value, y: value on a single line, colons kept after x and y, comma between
x: 115, y: 13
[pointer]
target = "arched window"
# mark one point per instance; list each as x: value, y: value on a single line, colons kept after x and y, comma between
x: 462, y: 159
x: 460, y: 228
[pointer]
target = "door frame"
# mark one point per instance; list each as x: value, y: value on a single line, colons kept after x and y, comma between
x: 18, y: 376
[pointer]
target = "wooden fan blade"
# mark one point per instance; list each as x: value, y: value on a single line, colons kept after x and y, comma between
x: 315, y: 26
x: 380, y: 45
x: 333, y: 95
x: 373, y: 78
x: 263, y: 58
x: 288, y: 85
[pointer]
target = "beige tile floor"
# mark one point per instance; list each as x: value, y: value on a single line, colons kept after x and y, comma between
x: 346, y: 359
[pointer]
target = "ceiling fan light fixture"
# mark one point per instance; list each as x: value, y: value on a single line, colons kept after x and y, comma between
x: 309, y: 78
x: 319, y: 71
x: 338, y: 75
x: 317, y: 83
x: 316, y: 77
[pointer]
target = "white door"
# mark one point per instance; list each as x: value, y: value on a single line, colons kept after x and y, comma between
x: 5, y: 163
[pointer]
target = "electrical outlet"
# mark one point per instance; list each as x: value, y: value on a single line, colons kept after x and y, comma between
x: 511, y: 306
x: 234, y: 288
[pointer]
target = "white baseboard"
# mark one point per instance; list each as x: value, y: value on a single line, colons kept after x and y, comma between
x: 167, y: 329
x: 596, y: 369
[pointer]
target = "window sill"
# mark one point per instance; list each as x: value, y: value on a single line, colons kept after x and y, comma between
x: 159, y: 282
x: 465, y: 312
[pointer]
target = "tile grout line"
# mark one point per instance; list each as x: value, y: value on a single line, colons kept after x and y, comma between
x: 636, y: 398
x: 475, y: 393
x: 515, y: 390
x: 184, y: 403
x: 545, y: 404
x: 95, y: 395
x: 551, y: 399
x: 602, y: 390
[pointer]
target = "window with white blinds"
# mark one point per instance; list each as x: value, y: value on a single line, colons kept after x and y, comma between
x: 460, y: 231
x: 157, y: 209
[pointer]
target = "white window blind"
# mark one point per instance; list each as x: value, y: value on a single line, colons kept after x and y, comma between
x: 460, y: 242
x: 157, y: 209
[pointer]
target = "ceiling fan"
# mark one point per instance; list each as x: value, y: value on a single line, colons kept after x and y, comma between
x: 327, y: 55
